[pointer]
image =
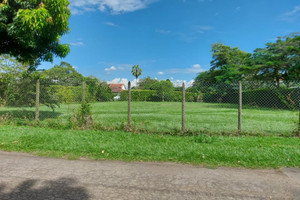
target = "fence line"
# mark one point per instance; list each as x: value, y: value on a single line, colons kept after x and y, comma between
x: 239, y: 101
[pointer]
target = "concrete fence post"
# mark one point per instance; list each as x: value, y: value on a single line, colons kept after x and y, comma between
x: 183, y: 108
x: 299, y: 124
x: 129, y: 104
x: 83, y: 92
x: 37, y: 101
x: 240, y: 108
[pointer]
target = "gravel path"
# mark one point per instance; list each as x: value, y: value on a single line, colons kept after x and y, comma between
x: 23, y: 176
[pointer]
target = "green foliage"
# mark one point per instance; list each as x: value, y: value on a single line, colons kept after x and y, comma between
x: 31, y: 30
x: 138, y: 95
x: 83, y: 117
x: 280, y: 60
x: 136, y: 71
x: 64, y: 74
x: 68, y: 94
x: 280, y: 98
x: 147, y: 83
x: 103, y: 92
x: 152, y: 95
x: 229, y: 63
x: 18, y: 86
x: 164, y: 90
x: 252, y: 152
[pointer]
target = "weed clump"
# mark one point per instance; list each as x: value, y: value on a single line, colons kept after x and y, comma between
x: 82, y: 118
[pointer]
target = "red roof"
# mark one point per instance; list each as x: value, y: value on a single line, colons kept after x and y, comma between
x: 117, y: 87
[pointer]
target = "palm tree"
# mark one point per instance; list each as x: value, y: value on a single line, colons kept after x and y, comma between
x: 136, y: 71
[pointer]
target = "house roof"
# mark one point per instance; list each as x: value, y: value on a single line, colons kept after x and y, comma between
x: 117, y: 87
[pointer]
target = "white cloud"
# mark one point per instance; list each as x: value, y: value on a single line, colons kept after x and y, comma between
x: 291, y: 16
x: 110, y: 24
x: 113, y: 6
x: 196, y: 66
x: 202, y: 29
x: 178, y: 83
x: 238, y: 8
x: 79, y: 44
x: 112, y: 68
x: 160, y: 73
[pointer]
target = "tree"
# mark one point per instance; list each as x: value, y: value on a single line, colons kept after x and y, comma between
x: 279, y: 61
x: 147, y: 83
x: 18, y: 87
x: 30, y: 30
x: 64, y: 74
x: 164, y: 89
x: 136, y: 71
x: 229, y: 63
x: 104, y: 93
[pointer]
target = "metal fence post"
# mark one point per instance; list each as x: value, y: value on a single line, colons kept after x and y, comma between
x: 37, y: 101
x: 83, y: 92
x: 129, y: 104
x: 240, y: 108
x: 183, y: 108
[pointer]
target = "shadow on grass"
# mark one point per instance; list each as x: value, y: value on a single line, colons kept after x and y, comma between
x: 247, y: 106
x: 28, y: 114
x: 63, y: 188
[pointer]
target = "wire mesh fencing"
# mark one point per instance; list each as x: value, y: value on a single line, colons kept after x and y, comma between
x: 248, y: 107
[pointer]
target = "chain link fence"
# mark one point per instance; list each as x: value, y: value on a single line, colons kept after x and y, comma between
x: 248, y: 107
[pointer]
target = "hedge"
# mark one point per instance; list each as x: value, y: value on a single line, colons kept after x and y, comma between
x: 151, y: 95
x: 281, y: 98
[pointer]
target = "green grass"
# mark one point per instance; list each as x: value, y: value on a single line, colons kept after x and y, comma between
x: 210, y: 151
x: 166, y: 117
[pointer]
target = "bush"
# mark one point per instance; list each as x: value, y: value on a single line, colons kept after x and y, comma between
x: 83, y: 117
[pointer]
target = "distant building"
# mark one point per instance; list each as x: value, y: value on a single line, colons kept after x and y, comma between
x: 117, y: 88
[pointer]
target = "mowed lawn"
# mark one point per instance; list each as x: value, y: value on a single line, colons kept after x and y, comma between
x: 166, y: 117
x: 210, y: 151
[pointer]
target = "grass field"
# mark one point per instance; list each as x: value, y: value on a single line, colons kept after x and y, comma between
x: 166, y: 117
x: 210, y: 151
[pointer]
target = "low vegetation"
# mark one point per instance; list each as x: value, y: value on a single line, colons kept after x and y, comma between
x: 163, y: 117
x: 210, y: 151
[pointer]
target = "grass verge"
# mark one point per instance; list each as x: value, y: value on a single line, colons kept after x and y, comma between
x: 212, y: 151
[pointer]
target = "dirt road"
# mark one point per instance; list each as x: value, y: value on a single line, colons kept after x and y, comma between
x: 23, y: 176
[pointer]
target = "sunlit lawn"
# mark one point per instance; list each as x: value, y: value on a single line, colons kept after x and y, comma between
x: 166, y: 117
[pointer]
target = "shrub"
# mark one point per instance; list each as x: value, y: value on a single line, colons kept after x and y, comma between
x: 83, y: 117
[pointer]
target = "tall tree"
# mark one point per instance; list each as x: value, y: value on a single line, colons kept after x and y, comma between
x: 279, y: 60
x: 229, y: 63
x: 164, y: 89
x: 64, y: 74
x: 147, y: 83
x: 136, y: 72
x: 30, y: 30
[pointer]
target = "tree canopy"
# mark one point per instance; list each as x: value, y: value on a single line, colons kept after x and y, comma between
x: 276, y: 62
x: 30, y: 30
x: 64, y: 74
x: 136, y: 71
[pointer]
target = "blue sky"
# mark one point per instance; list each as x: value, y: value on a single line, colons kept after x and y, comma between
x: 169, y: 39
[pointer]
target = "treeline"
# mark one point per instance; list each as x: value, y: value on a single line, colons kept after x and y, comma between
x: 60, y: 84
x: 277, y: 62
x: 149, y: 89
x: 270, y: 75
